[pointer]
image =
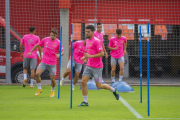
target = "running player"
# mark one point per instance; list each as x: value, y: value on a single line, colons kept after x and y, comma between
x: 99, y: 35
x: 117, y: 45
x: 50, y: 54
x: 79, y: 48
x: 29, y: 41
x: 94, y: 65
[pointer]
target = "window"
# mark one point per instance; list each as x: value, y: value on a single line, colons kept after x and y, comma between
x: 14, y: 43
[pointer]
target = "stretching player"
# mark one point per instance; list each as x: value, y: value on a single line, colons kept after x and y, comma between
x: 94, y: 65
x: 99, y: 35
x: 117, y: 45
x: 79, y: 48
x: 29, y: 41
x: 50, y: 54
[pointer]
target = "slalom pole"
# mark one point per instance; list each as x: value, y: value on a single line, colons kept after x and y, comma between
x: 148, y: 69
x: 71, y: 62
x: 140, y: 66
x: 60, y: 63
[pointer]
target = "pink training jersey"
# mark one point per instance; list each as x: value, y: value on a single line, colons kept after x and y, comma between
x: 99, y: 36
x: 51, y: 48
x: 29, y: 42
x: 93, y: 46
x: 78, y: 51
x: 117, y: 42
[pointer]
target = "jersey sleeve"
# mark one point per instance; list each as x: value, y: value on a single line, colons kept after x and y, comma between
x: 41, y: 43
x: 38, y: 40
x: 62, y: 49
x: 22, y: 41
x: 125, y: 40
x: 110, y: 43
x: 75, y: 44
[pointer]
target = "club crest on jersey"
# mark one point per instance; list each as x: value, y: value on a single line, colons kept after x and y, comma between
x: 90, y: 44
x: 54, y: 44
x: 121, y: 41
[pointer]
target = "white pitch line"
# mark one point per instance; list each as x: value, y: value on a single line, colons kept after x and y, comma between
x: 130, y: 108
x: 161, y: 118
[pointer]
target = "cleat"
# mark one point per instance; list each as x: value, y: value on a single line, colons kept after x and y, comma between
x: 38, y: 92
x: 116, y: 94
x: 103, y: 82
x: 83, y: 104
x: 73, y: 88
x: 31, y: 86
x: 24, y: 84
x: 61, y: 82
x: 52, y: 94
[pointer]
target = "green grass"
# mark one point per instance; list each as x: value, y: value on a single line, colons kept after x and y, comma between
x: 17, y: 102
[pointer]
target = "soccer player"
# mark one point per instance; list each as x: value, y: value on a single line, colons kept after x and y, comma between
x: 29, y: 41
x: 117, y: 45
x: 79, y: 48
x: 99, y: 35
x: 94, y: 65
x: 50, y: 54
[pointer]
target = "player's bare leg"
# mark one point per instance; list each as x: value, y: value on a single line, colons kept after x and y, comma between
x: 38, y: 80
x: 65, y: 75
x: 75, y: 79
x: 113, y: 69
x: 53, y: 84
x: 32, y: 78
x: 121, y: 72
x: 25, y: 76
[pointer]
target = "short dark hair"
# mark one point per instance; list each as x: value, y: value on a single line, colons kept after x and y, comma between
x: 31, y: 29
x: 118, y: 31
x: 54, y: 31
x: 99, y: 23
x: 90, y: 27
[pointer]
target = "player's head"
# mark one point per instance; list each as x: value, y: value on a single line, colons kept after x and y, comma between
x: 32, y: 30
x: 118, y: 33
x: 99, y: 27
x: 53, y: 33
x: 89, y: 31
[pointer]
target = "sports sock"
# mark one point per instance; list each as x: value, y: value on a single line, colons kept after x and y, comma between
x: 85, y: 98
x: 39, y: 85
x: 31, y: 83
x: 112, y: 89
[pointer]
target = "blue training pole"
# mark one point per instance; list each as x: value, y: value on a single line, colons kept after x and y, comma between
x: 60, y: 63
x: 148, y: 68
x: 140, y: 66
x: 71, y: 62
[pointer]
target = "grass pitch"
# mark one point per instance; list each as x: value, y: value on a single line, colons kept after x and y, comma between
x: 17, y: 102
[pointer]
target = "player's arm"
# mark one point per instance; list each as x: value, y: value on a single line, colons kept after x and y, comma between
x: 62, y: 53
x: 39, y: 48
x: 125, y: 46
x: 111, y: 48
x: 110, y: 45
x: 105, y: 51
x: 21, y: 51
x: 100, y: 54
x: 34, y: 48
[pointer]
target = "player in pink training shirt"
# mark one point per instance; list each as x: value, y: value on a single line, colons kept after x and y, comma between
x: 117, y: 45
x: 29, y: 41
x: 99, y: 35
x: 79, y: 48
x: 94, y: 65
x: 50, y: 54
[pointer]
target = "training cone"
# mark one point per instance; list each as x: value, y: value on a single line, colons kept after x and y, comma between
x: 122, y: 86
x: 91, y: 85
